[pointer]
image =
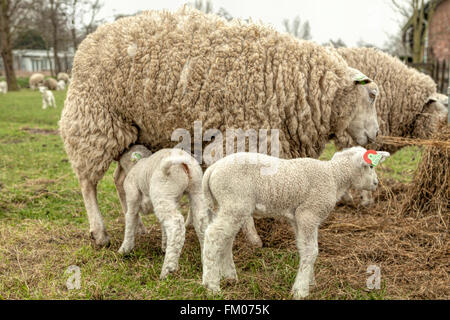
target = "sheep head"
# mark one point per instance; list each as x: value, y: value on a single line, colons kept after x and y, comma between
x: 430, y: 120
x: 360, y: 97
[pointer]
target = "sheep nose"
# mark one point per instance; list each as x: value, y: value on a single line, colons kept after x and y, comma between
x: 378, y: 132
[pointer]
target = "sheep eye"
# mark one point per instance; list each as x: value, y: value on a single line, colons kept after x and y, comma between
x: 371, y: 167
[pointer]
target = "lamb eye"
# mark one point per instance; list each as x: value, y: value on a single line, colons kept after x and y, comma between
x: 371, y: 167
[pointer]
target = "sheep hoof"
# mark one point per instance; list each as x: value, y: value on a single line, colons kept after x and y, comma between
x: 142, y: 231
x: 168, y: 270
x: 256, y: 243
x: 214, y: 289
x: 101, y: 239
x: 124, y: 250
x: 300, y: 294
x: 367, y: 203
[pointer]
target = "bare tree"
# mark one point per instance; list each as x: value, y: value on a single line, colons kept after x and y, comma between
x: 12, y: 15
x: 206, y: 6
x: 297, y: 28
x: 83, y: 19
x: 416, y: 13
x: 339, y: 43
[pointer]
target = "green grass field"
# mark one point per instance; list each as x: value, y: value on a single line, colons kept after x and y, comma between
x: 44, y: 229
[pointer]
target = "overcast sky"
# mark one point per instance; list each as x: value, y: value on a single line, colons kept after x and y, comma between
x: 351, y: 20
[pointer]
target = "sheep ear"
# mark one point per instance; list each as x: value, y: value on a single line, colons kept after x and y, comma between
x: 359, y: 77
x: 384, y: 155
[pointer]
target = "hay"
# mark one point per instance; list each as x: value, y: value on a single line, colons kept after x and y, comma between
x: 430, y: 192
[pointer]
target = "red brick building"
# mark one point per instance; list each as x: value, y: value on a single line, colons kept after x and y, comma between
x: 439, y: 32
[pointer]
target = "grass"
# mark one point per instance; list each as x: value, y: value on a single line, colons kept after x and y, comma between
x: 44, y: 230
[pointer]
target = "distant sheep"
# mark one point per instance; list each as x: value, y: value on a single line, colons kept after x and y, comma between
x: 51, y: 84
x: 48, y: 100
x: 3, y: 87
x: 157, y: 183
x: 303, y: 191
x: 36, y: 80
x: 64, y: 77
x: 164, y: 71
x: 61, y: 85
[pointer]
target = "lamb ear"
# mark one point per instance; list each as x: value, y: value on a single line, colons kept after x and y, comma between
x: 384, y: 155
x: 359, y: 77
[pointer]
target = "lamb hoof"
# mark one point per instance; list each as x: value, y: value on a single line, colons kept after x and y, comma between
x: 256, y: 243
x: 231, y: 276
x: 142, y: 231
x: 167, y: 270
x: 300, y: 294
x: 124, y: 250
x: 214, y: 289
x: 101, y: 238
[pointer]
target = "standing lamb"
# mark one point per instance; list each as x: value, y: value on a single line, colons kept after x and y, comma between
x: 3, y: 87
x: 36, y: 80
x: 303, y: 191
x: 62, y: 76
x: 159, y: 182
x: 165, y: 70
x: 47, y: 98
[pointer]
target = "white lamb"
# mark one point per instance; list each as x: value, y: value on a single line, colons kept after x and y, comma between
x: 61, y: 85
x: 303, y: 191
x: 158, y: 183
x: 3, y: 87
x: 47, y: 98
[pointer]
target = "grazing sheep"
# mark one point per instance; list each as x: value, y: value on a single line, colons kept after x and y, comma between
x: 47, y: 98
x: 61, y: 85
x: 303, y: 191
x: 3, y: 87
x: 51, y: 84
x: 36, y: 80
x: 408, y: 106
x: 62, y: 76
x: 159, y: 181
x: 165, y: 70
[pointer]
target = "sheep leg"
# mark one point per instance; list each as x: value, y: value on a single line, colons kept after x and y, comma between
x: 96, y: 225
x: 131, y: 221
x: 219, y: 237
x: 119, y: 178
x: 251, y: 233
x: 228, y: 269
x: 163, y: 239
x: 200, y: 217
x: 307, y: 246
x: 172, y: 222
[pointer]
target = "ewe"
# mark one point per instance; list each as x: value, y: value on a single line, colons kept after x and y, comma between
x: 157, y: 183
x: 303, y: 191
x: 3, y: 87
x: 47, y: 98
x: 176, y: 68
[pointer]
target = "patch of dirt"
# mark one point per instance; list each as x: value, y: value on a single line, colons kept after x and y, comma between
x: 40, y: 131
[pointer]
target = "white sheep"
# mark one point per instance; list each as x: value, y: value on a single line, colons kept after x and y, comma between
x: 48, y: 99
x: 157, y: 183
x: 3, y: 87
x: 61, y: 85
x: 303, y: 191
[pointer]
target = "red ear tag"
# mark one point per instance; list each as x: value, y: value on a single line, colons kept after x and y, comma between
x: 368, y: 156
